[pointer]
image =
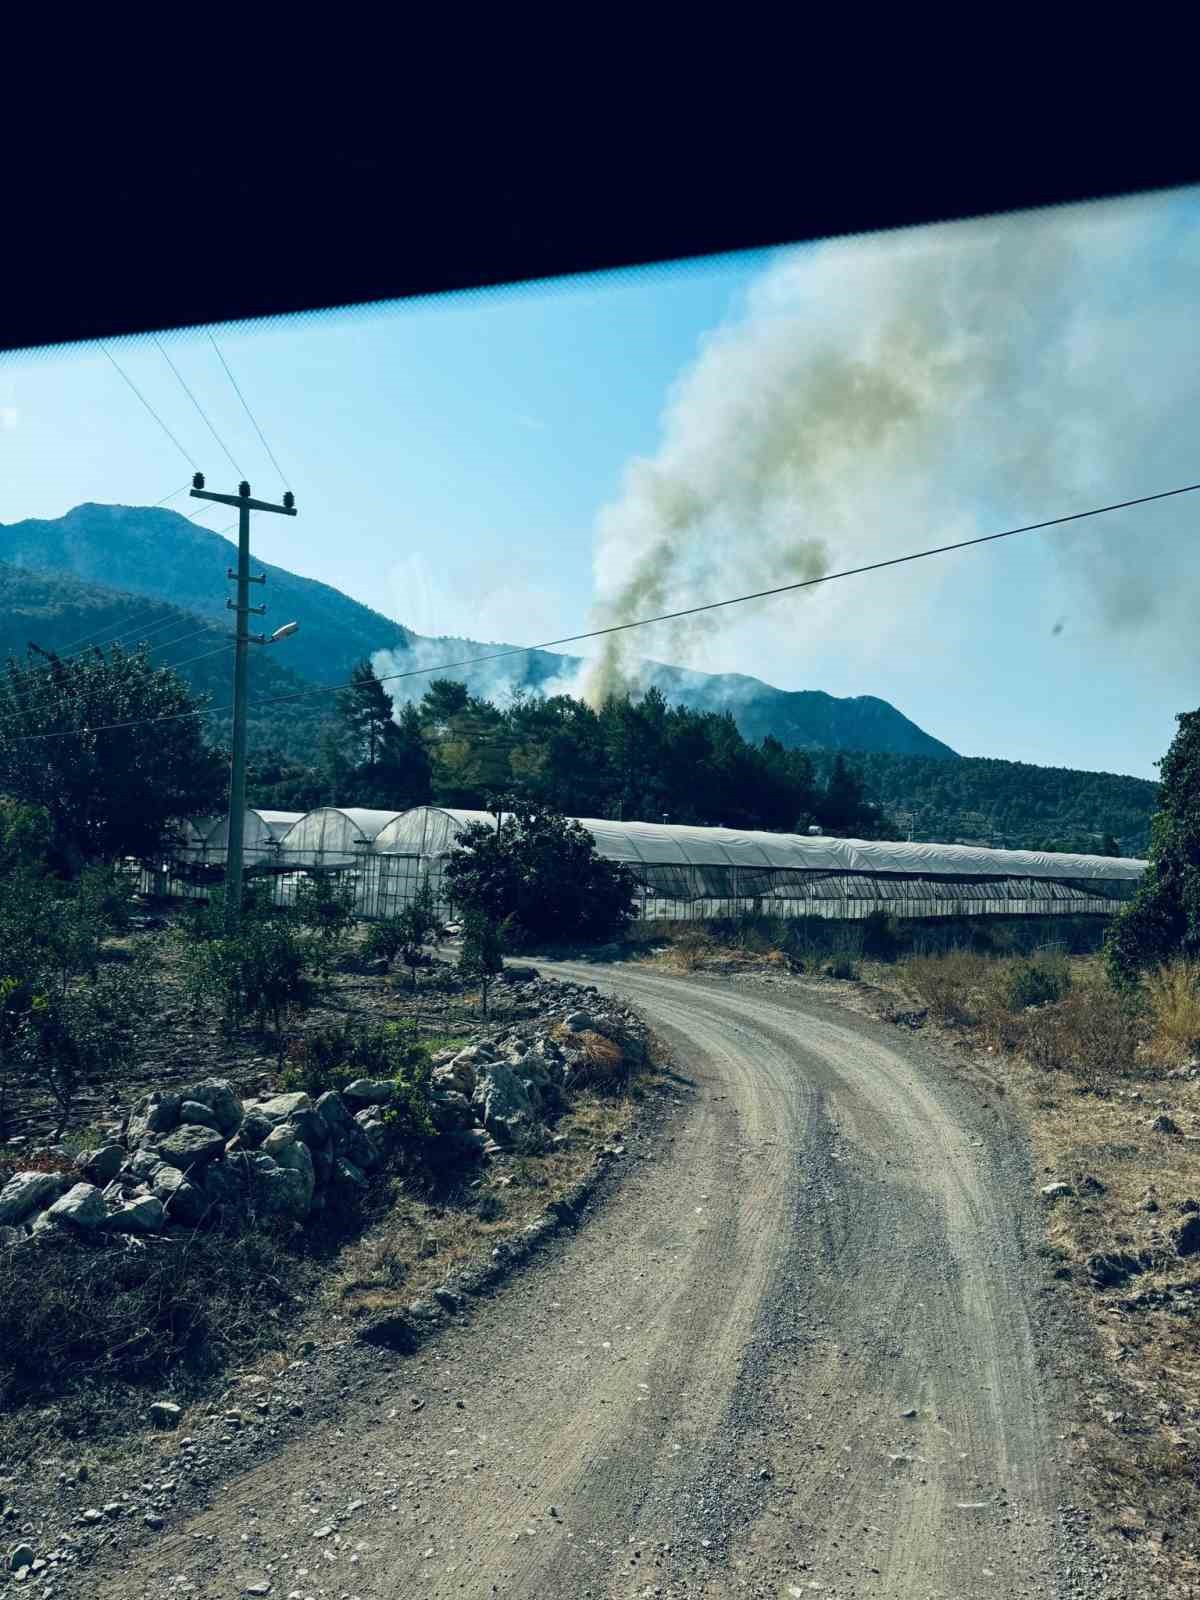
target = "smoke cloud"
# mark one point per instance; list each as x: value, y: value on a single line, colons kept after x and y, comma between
x: 879, y: 395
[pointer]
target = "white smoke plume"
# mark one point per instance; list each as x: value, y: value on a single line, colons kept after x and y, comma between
x: 909, y: 390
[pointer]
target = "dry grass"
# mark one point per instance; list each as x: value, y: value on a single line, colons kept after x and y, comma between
x: 85, y: 1331
x: 419, y: 1244
x: 1174, y: 999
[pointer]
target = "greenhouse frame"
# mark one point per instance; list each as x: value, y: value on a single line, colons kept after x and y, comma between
x: 683, y: 873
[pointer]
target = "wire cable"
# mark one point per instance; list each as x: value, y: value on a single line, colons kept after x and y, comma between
x: 148, y: 406
x: 644, y: 622
x: 198, y: 406
x: 43, y: 689
x: 248, y: 411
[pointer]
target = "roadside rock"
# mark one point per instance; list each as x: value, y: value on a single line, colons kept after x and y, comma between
x: 504, y: 1101
x: 370, y: 1092
x: 451, y: 1111
x: 254, y: 1129
x: 1165, y: 1124
x: 190, y: 1146
x: 193, y: 1114
x: 142, y: 1216
x: 165, y: 1413
x: 143, y: 1164
x: 1056, y: 1191
x: 101, y: 1166
x: 218, y: 1096
x: 157, y: 1112
x: 283, y: 1106
x: 183, y: 1202
x: 291, y: 1154
x: 81, y: 1207
x: 1108, y: 1270
x: 1185, y: 1239
x: 28, y: 1192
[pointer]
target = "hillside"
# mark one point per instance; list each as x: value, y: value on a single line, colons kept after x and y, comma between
x: 1022, y: 806
x: 159, y: 553
x: 56, y: 611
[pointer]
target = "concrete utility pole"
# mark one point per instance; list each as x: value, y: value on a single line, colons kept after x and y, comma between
x: 237, y: 776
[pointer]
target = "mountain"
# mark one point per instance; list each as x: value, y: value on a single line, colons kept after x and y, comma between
x: 160, y: 554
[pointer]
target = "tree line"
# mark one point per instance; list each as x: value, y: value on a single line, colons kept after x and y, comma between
x: 634, y: 759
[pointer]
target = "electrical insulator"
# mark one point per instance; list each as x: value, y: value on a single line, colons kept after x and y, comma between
x: 198, y: 481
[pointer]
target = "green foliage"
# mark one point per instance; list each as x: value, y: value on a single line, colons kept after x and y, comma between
x: 417, y: 925
x: 334, y: 1054
x: 385, y: 939
x: 385, y: 762
x: 1163, y: 920
x: 409, y: 1116
x: 481, y: 960
x: 111, y: 793
x: 1018, y: 804
x: 63, y: 1015
x: 880, y: 936
x: 264, y: 971
x: 324, y: 905
x: 1036, y: 982
x: 539, y: 874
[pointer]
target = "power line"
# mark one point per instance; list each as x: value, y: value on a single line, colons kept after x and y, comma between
x: 644, y: 622
x: 248, y: 411
x: 43, y: 690
x: 170, y: 496
x: 148, y: 406
x: 198, y: 406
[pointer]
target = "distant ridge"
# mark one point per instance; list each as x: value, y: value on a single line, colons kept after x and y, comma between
x: 160, y: 554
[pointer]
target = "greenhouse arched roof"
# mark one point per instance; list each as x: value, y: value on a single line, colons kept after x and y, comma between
x: 431, y: 830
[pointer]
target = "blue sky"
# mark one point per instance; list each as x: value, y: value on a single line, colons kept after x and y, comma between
x: 453, y: 461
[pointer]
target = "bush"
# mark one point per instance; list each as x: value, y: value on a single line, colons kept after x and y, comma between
x: 950, y: 985
x: 324, y: 906
x: 1036, y: 982
x: 334, y: 1054
x: 481, y: 960
x: 540, y: 874
x: 1094, y: 1031
x: 136, y: 1315
x: 880, y: 936
x: 263, y: 971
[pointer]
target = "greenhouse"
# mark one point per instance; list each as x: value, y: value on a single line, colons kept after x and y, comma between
x: 682, y: 873
x: 693, y: 873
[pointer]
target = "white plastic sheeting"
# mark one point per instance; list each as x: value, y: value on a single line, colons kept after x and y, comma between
x: 332, y: 836
x: 262, y: 831
x: 432, y: 830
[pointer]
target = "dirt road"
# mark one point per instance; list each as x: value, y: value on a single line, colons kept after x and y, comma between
x: 791, y: 1356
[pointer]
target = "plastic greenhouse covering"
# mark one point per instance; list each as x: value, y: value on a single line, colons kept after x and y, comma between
x: 682, y: 871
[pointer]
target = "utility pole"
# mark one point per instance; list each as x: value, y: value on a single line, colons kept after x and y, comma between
x: 237, y: 777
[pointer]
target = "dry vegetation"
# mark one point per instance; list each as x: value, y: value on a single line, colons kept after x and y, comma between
x: 419, y: 1243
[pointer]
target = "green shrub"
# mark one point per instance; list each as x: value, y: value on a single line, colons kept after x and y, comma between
x: 324, y: 906
x: 880, y: 936
x: 1038, y: 981
x: 263, y: 971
